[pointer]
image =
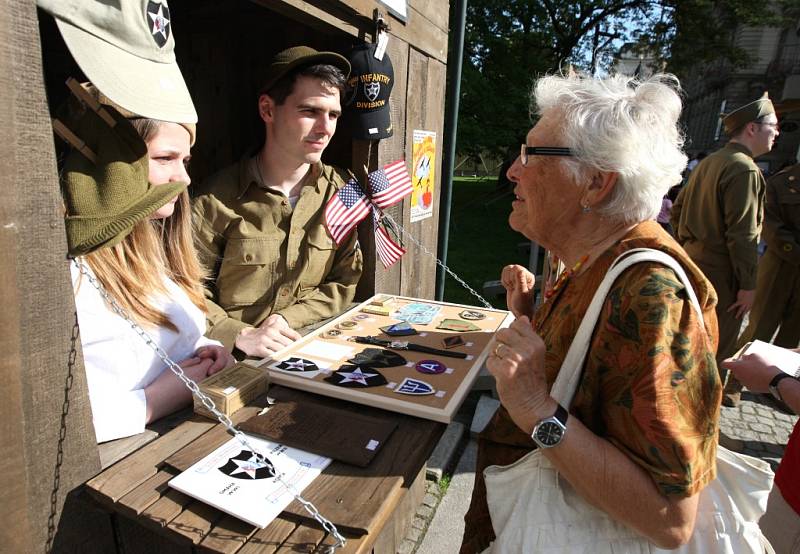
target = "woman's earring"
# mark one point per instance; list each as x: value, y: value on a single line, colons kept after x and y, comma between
x: 585, y: 208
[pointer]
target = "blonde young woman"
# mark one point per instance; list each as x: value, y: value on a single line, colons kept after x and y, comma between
x: 152, y: 273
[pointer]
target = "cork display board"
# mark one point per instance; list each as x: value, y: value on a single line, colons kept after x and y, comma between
x: 384, y: 372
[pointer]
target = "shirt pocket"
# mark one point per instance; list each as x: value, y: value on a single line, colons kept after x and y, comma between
x: 321, y: 252
x: 248, y: 270
x: 789, y: 202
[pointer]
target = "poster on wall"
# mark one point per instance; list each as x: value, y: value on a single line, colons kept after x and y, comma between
x: 422, y: 174
x: 398, y: 8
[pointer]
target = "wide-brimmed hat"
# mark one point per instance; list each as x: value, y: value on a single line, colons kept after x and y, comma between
x: 296, y: 56
x: 752, y: 111
x: 126, y: 48
x: 106, y: 198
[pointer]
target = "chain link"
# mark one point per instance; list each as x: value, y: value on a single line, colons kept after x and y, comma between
x: 410, y: 237
x: 312, y: 510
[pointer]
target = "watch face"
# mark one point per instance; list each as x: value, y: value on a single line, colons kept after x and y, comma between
x: 549, y: 433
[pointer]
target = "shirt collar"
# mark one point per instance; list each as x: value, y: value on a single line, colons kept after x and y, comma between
x: 249, y: 175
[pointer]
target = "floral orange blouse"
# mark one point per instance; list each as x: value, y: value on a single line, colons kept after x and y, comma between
x: 650, y: 383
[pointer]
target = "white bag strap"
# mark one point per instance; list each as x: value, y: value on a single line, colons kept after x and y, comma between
x: 566, y: 382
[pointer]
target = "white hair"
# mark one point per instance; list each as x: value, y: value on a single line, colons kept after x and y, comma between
x: 623, y: 125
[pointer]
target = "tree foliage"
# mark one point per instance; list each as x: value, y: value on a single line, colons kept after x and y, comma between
x: 509, y: 43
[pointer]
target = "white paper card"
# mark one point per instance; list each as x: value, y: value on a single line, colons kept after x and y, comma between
x: 784, y: 359
x: 326, y: 350
x: 232, y: 480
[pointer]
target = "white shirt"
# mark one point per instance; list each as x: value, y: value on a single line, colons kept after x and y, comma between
x: 119, y: 364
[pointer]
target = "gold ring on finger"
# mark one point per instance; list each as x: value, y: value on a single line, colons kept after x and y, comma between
x: 497, y: 350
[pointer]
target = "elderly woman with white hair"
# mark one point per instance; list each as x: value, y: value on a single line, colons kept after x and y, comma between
x: 637, y: 443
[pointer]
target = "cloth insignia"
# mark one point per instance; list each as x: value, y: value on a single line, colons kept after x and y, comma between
x: 158, y: 15
x: 417, y: 313
x: 472, y: 315
x: 245, y: 465
x: 414, y: 387
x: 431, y: 367
x: 452, y: 341
x: 352, y: 376
x: 297, y: 364
x: 348, y: 325
x: 399, y: 329
x: 377, y: 357
x: 372, y: 90
x: 457, y: 325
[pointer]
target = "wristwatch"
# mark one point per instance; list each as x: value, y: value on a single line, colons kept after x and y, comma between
x: 549, y: 432
x: 410, y: 346
x: 773, y: 385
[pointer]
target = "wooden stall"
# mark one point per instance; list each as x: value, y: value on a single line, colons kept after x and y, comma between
x: 47, y: 442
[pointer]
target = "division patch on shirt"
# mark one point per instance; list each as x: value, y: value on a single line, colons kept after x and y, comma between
x: 352, y: 376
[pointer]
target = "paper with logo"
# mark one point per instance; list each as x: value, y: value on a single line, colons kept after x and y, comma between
x: 784, y: 359
x: 423, y: 178
x: 232, y: 480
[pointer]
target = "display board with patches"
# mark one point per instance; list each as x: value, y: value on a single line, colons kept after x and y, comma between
x: 413, y: 356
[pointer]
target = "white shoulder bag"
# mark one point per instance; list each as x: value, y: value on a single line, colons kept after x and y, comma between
x: 535, y: 510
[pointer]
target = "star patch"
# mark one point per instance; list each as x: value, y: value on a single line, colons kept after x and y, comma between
x: 331, y: 334
x: 158, y: 22
x: 452, y: 341
x: 399, y: 329
x: 352, y: 376
x: 377, y: 357
x: 245, y: 465
x: 297, y: 364
x: 457, y: 325
x: 431, y: 367
x: 414, y: 387
x: 472, y: 315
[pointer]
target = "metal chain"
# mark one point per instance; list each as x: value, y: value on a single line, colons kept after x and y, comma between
x: 410, y: 237
x: 209, y: 404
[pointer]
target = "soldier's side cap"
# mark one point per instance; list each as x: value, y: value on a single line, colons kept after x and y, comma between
x: 747, y: 113
x: 127, y: 49
x: 368, y: 114
x: 286, y: 60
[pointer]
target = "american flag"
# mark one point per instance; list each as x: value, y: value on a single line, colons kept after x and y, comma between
x: 388, y: 250
x: 387, y: 186
x: 345, y: 210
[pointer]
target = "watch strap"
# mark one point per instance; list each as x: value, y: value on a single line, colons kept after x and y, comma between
x: 432, y: 350
x: 773, y: 385
x: 561, y: 415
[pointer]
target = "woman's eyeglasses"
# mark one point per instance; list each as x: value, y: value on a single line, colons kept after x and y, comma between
x: 526, y: 151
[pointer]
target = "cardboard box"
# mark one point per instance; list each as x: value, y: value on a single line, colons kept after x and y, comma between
x: 232, y: 388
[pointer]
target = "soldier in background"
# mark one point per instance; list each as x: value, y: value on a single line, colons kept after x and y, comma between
x: 717, y: 216
x: 777, y: 301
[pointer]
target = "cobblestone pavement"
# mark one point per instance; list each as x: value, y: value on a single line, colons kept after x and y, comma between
x: 755, y: 427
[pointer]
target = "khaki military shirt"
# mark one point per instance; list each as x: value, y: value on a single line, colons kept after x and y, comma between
x: 722, y: 209
x: 782, y: 215
x: 267, y: 257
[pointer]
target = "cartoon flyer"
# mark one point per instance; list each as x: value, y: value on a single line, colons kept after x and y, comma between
x: 422, y: 174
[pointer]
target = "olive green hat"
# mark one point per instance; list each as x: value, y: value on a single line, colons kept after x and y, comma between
x: 105, y: 199
x: 296, y: 56
x: 752, y: 111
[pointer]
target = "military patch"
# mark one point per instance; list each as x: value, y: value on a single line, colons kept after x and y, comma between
x: 158, y: 22
x: 352, y: 376
x: 377, y: 310
x: 399, y: 329
x: 377, y: 357
x: 431, y: 367
x: 296, y: 364
x: 245, y: 465
x: 414, y: 387
x: 457, y: 325
x: 472, y: 315
x: 453, y: 341
x: 332, y: 334
x: 348, y: 325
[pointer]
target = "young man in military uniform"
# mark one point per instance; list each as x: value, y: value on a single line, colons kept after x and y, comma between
x: 275, y: 267
x: 717, y: 216
x: 777, y: 300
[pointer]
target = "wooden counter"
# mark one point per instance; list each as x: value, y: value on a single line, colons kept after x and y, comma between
x: 371, y: 506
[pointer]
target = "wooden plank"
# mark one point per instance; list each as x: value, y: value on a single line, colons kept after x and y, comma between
x: 165, y: 509
x: 134, y: 539
x: 136, y: 501
x: 322, y: 18
x: 438, y: 13
x: 208, y: 442
x: 113, y: 451
x: 267, y: 540
x: 361, y: 500
x: 121, y: 478
x: 228, y: 535
x: 303, y: 539
x: 195, y: 521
